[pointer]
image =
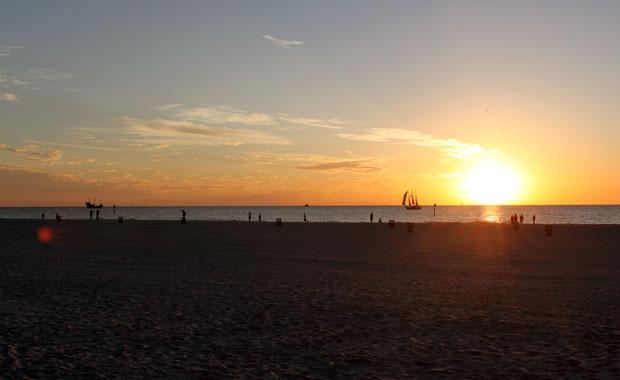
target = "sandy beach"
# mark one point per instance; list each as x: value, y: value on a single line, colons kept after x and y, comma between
x: 211, y: 300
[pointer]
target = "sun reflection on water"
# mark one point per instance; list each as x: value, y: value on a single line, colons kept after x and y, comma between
x: 492, y: 214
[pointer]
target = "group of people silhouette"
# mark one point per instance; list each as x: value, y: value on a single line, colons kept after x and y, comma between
x: 514, y: 218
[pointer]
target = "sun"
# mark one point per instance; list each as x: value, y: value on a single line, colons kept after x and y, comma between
x: 492, y: 183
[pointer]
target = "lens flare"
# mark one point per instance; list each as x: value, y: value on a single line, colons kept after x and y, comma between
x: 44, y: 234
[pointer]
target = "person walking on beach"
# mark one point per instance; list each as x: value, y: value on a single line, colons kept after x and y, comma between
x: 183, y: 214
x: 91, y: 214
x: 249, y: 216
x: 534, y: 219
x: 521, y: 218
x: 371, y: 216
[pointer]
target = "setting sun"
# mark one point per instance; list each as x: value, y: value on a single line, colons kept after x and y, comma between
x: 492, y: 183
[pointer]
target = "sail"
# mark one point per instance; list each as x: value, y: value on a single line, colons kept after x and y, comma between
x: 405, y: 197
x: 416, y: 198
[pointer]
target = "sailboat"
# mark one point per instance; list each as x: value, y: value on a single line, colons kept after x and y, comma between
x: 411, y: 202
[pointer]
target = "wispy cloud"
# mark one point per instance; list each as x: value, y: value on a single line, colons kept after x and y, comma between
x: 81, y: 146
x: 229, y: 115
x: 189, y: 133
x: 354, y: 165
x: 312, y: 122
x: 81, y: 161
x: 223, y: 115
x: 46, y: 74
x: 315, y: 162
x: 167, y: 107
x: 24, y: 78
x: 282, y: 43
x: 8, y: 97
x: 6, y: 50
x: 32, y: 153
x: 452, y: 147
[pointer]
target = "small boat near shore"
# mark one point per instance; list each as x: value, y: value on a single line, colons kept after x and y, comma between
x: 94, y: 204
x: 410, y: 201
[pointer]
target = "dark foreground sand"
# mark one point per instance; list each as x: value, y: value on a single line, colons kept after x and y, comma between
x: 240, y: 300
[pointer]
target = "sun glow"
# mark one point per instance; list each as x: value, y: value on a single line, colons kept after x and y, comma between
x: 492, y: 183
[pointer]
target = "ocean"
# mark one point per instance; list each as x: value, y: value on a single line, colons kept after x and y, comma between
x: 597, y: 214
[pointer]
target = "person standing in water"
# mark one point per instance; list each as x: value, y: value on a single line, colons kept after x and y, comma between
x: 97, y: 214
x: 305, y: 217
x: 249, y: 216
x: 91, y: 214
x: 371, y: 217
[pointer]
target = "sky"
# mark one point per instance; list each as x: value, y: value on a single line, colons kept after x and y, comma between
x: 318, y: 102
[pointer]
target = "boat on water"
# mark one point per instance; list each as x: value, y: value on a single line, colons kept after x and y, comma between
x: 410, y: 201
x: 94, y: 204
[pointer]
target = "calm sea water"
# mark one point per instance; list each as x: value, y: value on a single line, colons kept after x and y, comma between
x: 351, y: 214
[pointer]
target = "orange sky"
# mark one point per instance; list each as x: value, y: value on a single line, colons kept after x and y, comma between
x: 337, y: 105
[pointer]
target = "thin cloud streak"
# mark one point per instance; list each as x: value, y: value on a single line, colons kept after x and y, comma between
x: 452, y: 147
x: 223, y: 114
x: 6, y: 50
x: 286, y: 44
x: 31, y: 153
x: 188, y: 133
x: 103, y: 148
x: 8, y: 97
x: 312, y: 122
x: 228, y: 115
x: 358, y: 165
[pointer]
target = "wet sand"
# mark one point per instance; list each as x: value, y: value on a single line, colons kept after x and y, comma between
x: 147, y: 299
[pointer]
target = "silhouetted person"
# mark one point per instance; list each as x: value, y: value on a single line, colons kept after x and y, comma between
x: 305, y: 217
x: 249, y: 216
x: 259, y: 217
x: 379, y: 220
x: 58, y: 218
x: 371, y: 216
x: 521, y: 218
x: 183, y: 213
x: 113, y: 209
x: 42, y: 215
x: 534, y: 219
x: 97, y: 214
x: 91, y: 214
